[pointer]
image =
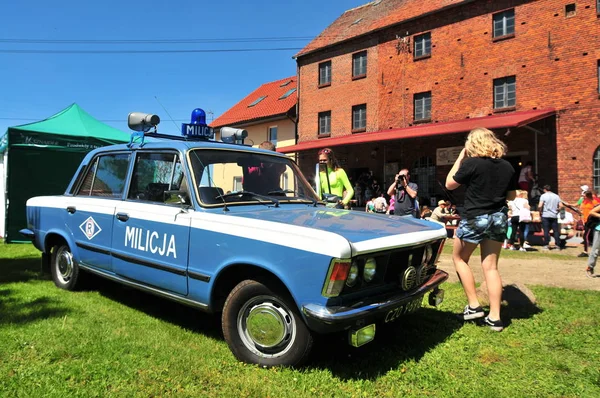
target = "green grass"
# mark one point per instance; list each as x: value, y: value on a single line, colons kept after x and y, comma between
x: 112, y: 341
x: 539, y: 254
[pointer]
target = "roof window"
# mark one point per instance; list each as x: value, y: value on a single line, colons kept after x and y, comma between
x: 288, y: 93
x: 356, y: 22
x: 285, y: 83
x: 256, y: 101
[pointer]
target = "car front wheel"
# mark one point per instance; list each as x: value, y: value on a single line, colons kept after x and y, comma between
x: 64, y: 269
x: 261, y: 325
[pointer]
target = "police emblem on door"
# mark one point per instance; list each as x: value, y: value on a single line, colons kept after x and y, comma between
x: 90, y: 228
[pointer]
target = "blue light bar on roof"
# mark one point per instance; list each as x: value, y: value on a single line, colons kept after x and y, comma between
x: 197, y: 128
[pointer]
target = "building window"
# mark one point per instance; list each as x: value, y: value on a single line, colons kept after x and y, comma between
x: 597, y: 170
x: 570, y: 10
x: 288, y: 93
x: 256, y: 101
x: 286, y: 183
x: 423, y: 45
x: 422, y: 106
x: 505, y: 92
x: 359, y: 64
x: 324, y: 122
x: 273, y: 135
x: 504, y: 23
x: 359, y: 118
x: 325, y: 73
x: 237, y: 184
x: 423, y: 173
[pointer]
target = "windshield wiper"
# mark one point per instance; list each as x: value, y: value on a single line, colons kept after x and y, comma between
x: 302, y: 197
x: 281, y: 191
x: 261, y: 198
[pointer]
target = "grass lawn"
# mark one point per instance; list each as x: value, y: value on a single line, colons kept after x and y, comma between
x: 112, y: 341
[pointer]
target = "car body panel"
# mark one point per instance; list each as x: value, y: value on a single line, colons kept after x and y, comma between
x: 181, y: 251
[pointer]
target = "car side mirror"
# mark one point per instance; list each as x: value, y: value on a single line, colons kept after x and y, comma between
x: 330, y: 198
x: 176, y: 197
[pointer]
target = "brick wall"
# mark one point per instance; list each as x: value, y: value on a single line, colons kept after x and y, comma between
x: 554, y: 58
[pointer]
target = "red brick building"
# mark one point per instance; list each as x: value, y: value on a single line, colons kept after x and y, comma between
x: 399, y: 83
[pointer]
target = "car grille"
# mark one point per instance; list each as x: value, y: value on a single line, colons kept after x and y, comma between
x: 405, y: 267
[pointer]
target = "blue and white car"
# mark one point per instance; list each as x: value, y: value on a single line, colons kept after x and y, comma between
x: 236, y: 230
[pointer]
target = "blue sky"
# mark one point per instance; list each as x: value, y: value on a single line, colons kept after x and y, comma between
x: 109, y: 86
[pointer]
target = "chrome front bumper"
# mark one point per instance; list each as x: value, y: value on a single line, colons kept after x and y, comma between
x: 324, y: 319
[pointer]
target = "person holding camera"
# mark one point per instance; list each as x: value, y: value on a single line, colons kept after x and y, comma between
x: 405, y: 193
x: 333, y: 178
x: 487, y: 178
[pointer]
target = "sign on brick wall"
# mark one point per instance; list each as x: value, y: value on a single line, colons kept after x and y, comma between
x: 447, y: 156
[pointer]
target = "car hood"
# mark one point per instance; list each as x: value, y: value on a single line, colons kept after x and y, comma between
x: 365, y: 232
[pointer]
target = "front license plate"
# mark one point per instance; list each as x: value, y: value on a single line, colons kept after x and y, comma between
x: 403, y: 309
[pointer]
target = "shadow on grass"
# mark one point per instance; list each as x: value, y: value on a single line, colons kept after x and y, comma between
x: 21, y: 270
x: 409, y: 338
x: 167, y: 310
x: 18, y: 310
x: 517, y: 304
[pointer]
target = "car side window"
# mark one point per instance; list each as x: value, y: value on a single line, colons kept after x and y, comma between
x: 158, y: 177
x: 106, y: 176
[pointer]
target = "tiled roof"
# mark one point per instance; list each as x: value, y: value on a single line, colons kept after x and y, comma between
x: 372, y: 16
x: 274, y: 102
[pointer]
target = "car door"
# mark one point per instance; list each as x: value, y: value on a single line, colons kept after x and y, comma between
x: 151, y: 228
x: 89, y: 213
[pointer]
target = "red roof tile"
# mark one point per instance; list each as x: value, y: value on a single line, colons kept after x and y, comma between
x: 373, y: 16
x: 271, y: 105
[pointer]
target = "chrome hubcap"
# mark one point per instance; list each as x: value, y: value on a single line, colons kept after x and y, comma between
x: 64, y: 264
x: 266, y: 327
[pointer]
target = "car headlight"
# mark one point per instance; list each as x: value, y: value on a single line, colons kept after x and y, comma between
x: 352, y: 275
x: 427, y: 254
x: 370, y: 269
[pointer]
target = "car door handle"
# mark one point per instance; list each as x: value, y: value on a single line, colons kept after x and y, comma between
x: 123, y: 216
x: 71, y: 209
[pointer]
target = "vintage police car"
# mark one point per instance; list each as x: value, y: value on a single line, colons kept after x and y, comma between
x: 236, y: 230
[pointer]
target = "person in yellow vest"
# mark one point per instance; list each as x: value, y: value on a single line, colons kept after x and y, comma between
x: 333, y: 178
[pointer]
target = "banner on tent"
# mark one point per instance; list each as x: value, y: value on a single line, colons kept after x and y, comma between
x: 43, y: 141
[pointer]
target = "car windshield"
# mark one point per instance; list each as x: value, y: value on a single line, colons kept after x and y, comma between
x: 239, y: 176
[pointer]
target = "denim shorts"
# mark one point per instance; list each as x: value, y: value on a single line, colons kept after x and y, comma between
x: 486, y: 226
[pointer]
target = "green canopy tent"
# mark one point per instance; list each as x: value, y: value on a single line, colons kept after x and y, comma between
x: 40, y: 158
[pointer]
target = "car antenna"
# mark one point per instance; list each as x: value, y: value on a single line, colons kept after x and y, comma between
x: 167, y: 112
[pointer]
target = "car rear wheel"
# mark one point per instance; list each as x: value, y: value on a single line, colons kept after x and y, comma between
x: 261, y: 325
x: 64, y: 269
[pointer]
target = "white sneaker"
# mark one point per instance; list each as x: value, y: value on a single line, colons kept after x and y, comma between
x: 526, y: 245
x: 513, y: 248
x: 523, y: 249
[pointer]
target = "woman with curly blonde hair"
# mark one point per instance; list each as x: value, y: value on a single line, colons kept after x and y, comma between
x: 487, y: 178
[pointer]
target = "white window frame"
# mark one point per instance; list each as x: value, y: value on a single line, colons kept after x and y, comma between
x: 237, y: 183
x: 359, y: 64
x: 359, y: 117
x: 422, y: 45
x: 596, y: 170
x: 505, y: 92
x: 325, y: 69
x: 422, y: 106
x: 324, y: 122
x: 504, y: 20
x: 270, y: 134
